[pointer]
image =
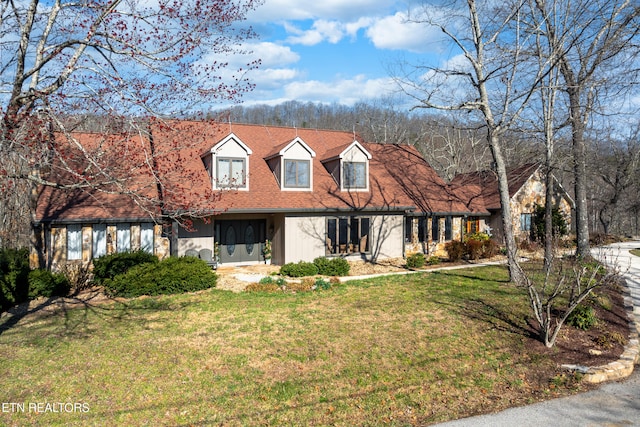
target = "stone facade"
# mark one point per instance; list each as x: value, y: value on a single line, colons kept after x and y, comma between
x: 56, y: 246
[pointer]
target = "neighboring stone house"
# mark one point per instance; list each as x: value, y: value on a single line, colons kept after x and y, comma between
x: 526, y: 190
x: 310, y: 192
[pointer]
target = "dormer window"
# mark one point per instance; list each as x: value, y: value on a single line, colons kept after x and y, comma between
x: 354, y: 175
x: 297, y: 173
x: 349, y: 166
x: 230, y: 173
x: 292, y: 165
x: 227, y: 164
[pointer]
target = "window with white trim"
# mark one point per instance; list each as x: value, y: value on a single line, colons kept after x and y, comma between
x: 230, y: 173
x: 297, y: 173
x: 146, y: 237
x: 354, y: 175
x: 99, y: 240
x: 74, y: 241
x: 123, y: 238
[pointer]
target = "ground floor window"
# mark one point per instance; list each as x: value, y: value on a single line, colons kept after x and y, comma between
x: 146, y: 237
x: 408, y: 229
x: 422, y: 229
x: 435, y: 229
x: 123, y: 238
x: 448, y: 228
x: 347, y: 235
x: 525, y: 222
x: 99, y: 240
x: 74, y: 242
x: 473, y: 225
x: 421, y: 224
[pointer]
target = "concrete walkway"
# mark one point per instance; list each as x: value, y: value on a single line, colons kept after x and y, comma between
x: 613, y: 404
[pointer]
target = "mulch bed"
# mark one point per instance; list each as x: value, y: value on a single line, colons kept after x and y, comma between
x: 598, y: 345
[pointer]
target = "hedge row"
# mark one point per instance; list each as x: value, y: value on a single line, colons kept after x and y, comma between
x: 321, y: 265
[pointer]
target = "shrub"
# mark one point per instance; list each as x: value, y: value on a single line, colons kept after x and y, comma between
x: 455, y: 250
x: 79, y: 276
x: 299, y: 269
x: 262, y: 287
x: 305, y: 285
x: 474, y: 249
x: 480, y: 237
x: 491, y: 248
x: 269, y: 280
x: 43, y: 283
x: 14, y: 277
x: 434, y: 260
x: 110, y: 266
x: 416, y: 260
x: 583, y: 317
x: 480, y: 245
x: 322, y: 284
x: 169, y: 276
x: 559, y: 223
x: 332, y: 266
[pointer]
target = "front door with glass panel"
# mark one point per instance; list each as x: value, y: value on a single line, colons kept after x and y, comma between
x: 240, y: 241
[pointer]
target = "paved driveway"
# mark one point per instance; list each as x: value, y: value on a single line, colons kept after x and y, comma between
x: 613, y: 404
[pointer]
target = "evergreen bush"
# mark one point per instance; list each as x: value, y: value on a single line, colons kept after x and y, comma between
x: 299, y: 269
x: 559, y: 224
x: 416, y: 260
x: 434, y: 260
x: 110, y: 266
x: 44, y: 283
x: 14, y: 277
x: 169, y: 276
x: 332, y: 266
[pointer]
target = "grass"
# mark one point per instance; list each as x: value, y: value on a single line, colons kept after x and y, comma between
x: 635, y: 252
x: 403, y: 350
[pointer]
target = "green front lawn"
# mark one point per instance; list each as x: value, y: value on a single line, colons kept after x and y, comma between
x: 400, y: 350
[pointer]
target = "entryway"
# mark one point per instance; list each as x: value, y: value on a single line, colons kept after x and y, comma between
x: 240, y: 241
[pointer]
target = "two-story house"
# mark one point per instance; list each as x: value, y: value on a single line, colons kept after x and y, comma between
x: 310, y: 192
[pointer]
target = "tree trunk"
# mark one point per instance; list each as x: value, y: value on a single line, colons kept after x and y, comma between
x: 580, y: 175
x: 515, y: 271
x: 36, y: 238
x: 548, y: 216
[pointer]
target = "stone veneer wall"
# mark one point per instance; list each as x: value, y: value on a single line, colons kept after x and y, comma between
x: 56, y: 244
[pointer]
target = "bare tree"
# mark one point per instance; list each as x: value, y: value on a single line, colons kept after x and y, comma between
x: 590, y: 40
x: 105, y: 59
x: 490, y: 82
x: 562, y: 291
x: 616, y: 164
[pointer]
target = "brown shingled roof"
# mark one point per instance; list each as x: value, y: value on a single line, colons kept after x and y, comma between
x: 481, y: 188
x: 108, y: 178
x: 399, y: 178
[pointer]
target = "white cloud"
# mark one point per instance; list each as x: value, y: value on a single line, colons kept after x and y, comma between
x: 345, y: 91
x: 323, y: 30
x: 285, y: 10
x: 331, y: 31
x: 272, y: 54
x: 275, y: 69
x: 397, y: 33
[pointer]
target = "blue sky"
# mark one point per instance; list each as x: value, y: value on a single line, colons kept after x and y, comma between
x: 332, y: 50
